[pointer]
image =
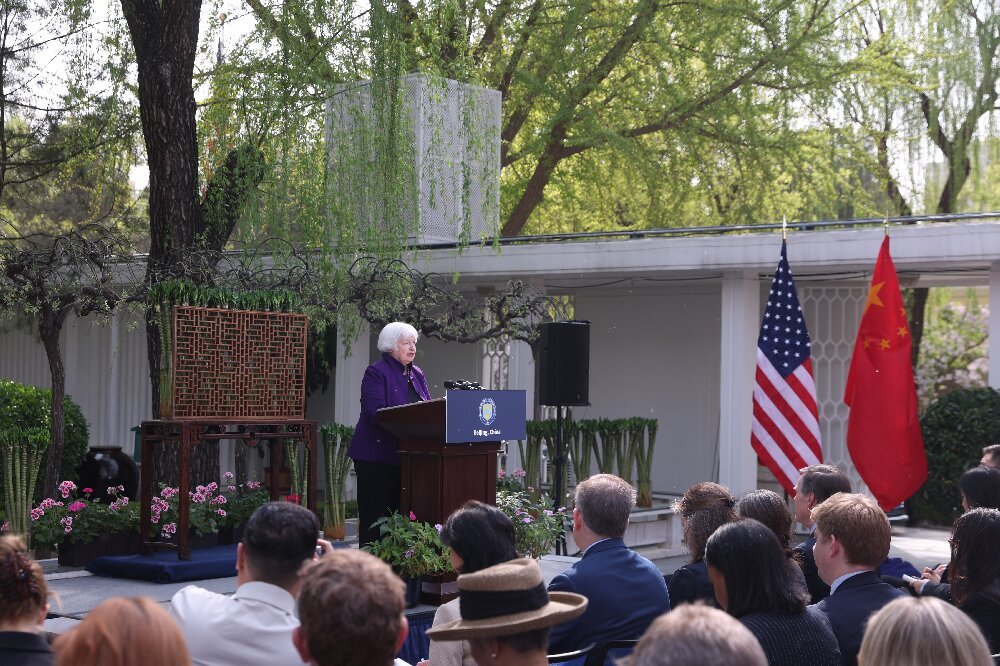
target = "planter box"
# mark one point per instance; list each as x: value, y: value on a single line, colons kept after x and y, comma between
x: 78, y: 554
x: 439, y: 589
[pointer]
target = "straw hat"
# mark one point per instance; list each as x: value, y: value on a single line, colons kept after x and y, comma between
x: 507, y: 599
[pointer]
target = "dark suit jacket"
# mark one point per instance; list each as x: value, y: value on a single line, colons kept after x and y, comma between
x: 625, y: 590
x: 690, y: 583
x: 984, y: 608
x: 818, y: 590
x: 794, y: 639
x: 384, y: 385
x: 850, y: 607
x: 24, y: 649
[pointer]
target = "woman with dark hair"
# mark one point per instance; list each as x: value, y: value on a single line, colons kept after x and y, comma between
x: 767, y: 507
x: 703, y: 508
x: 980, y: 488
x: 756, y: 582
x: 975, y: 570
x: 479, y: 536
x: 23, y: 606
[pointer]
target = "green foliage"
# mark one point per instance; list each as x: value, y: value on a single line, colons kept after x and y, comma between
x: 29, y: 407
x: 955, y: 429
x: 79, y: 518
x: 242, y: 500
x: 411, y: 547
x: 537, y: 522
x: 953, y: 349
x: 22, y: 450
x: 336, y: 439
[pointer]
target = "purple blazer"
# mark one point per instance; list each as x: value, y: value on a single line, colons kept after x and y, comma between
x: 384, y: 385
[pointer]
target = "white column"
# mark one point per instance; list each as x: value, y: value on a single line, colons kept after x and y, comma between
x: 994, y: 324
x: 740, y: 315
x: 115, y: 432
x: 352, y: 360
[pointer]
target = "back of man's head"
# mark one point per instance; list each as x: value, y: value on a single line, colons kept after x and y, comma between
x: 860, y: 526
x: 279, y: 537
x: 351, y: 610
x: 605, y: 502
x: 991, y: 456
x: 695, y: 634
x: 823, y: 481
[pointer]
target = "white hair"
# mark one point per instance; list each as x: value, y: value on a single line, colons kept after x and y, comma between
x: 393, y: 333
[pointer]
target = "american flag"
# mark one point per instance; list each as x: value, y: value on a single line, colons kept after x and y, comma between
x: 785, y: 431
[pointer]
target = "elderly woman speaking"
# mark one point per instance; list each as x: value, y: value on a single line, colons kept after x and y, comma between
x: 389, y: 382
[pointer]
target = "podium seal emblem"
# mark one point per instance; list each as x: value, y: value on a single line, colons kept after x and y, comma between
x: 487, y: 411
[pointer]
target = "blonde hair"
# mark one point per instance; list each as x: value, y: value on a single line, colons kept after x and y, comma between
x: 23, y: 592
x: 923, y: 630
x: 124, y: 631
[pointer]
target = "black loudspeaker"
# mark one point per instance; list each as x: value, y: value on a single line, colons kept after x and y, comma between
x: 564, y: 363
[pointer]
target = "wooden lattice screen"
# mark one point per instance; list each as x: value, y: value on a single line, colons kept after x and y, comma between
x: 238, y: 364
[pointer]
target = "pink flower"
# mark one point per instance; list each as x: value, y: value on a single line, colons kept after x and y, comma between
x: 87, y: 491
x: 5, y: 527
x: 232, y: 489
x: 253, y: 485
x: 221, y: 512
x: 168, y: 529
x: 519, y: 474
x: 438, y: 527
x: 37, y: 513
x: 501, y: 474
x: 77, y: 506
x: 67, y: 524
x: 66, y: 487
x: 219, y: 499
x: 212, y: 487
x: 228, y: 475
x: 413, y: 516
x: 292, y: 497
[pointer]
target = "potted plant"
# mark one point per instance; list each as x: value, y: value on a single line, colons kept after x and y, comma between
x: 336, y: 439
x: 82, y: 527
x: 537, y: 522
x: 412, y: 548
x: 206, y: 514
x: 241, y: 501
x: 22, y: 450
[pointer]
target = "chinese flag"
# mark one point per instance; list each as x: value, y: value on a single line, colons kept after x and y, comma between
x: 883, y: 433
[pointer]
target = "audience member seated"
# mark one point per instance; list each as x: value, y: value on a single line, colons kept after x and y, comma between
x: 351, y: 609
x: 991, y: 456
x: 23, y: 606
x: 626, y: 591
x: 767, y: 507
x: 980, y: 488
x: 124, y: 631
x: 479, y: 536
x: 975, y: 570
x: 694, y: 635
x: 852, y: 539
x: 759, y: 584
x: 816, y: 485
x: 254, y: 625
x: 507, y: 614
x: 922, y: 631
x: 703, y: 508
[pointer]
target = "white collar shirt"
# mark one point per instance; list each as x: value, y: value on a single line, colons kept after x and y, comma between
x: 253, y: 626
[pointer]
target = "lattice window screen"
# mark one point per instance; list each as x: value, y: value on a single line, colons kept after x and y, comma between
x: 238, y: 364
x: 833, y: 315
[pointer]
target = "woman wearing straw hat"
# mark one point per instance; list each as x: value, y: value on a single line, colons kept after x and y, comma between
x: 507, y: 614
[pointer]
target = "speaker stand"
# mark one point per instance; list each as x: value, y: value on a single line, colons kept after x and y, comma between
x: 558, y: 466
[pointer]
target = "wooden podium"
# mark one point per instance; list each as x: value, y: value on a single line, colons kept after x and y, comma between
x: 438, y: 476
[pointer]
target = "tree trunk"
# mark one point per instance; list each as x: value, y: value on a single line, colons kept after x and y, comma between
x: 49, y: 326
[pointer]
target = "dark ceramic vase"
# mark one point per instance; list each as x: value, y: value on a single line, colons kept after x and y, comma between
x: 107, y: 466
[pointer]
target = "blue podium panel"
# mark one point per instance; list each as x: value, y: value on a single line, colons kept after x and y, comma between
x: 484, y: 416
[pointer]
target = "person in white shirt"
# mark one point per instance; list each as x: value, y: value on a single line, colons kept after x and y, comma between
x: 254, y: 625
x: 351, y: 608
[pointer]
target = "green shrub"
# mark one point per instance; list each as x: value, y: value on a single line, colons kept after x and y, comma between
x: 29, y: 407
x: 955, y: 429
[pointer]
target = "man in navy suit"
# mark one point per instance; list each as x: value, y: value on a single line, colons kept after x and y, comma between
x: 626, y: 591
x: 816, y: 485
x: 852, y: 539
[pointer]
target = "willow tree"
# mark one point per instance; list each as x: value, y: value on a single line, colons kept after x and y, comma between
x: 603, y: 92
x: 926, y: 105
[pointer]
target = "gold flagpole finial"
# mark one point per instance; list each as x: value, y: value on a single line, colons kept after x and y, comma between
x: 784, y: 228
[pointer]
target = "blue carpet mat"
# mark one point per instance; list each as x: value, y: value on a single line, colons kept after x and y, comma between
x: 164, y: 567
